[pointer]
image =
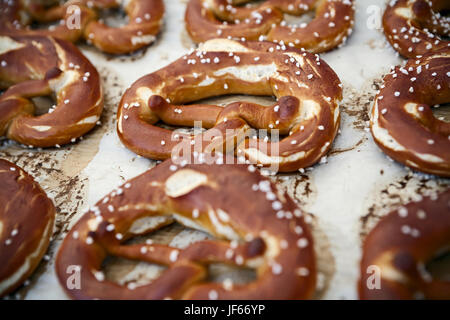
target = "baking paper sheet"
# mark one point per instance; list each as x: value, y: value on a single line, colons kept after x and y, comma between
x: 344, y: 196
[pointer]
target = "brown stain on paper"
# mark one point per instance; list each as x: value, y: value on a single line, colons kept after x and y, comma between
x: 58, y: 170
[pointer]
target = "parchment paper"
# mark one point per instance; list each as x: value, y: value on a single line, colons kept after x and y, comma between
x: 344, y: 196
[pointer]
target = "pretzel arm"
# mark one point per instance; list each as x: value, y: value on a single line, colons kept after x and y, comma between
x: 154, y: 253
x: 280, y: 116
x: 28, y: 89
x: 437, y: 290
x: 209, y: 251
x: 184, y: 115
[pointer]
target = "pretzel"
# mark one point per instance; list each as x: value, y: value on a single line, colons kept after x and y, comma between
x: 307, y: 109
x: 402, y: 122
x: 26, y: 225
x: 17, y: 15
x: 257, y: 226
x: 414, y: 27
x: 400, y: 246
x: 51, y: 66
x: 145, y: 19
x: 333, y: 22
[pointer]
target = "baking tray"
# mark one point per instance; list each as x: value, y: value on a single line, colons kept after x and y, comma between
x: 344, y: 195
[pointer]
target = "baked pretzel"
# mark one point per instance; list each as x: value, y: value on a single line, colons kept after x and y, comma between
x: 333, y: 22
x: 414, y: 27
x: 402, y: 122
x: 52, y: 67
x: 26, y: 225
x: 17, y: 15
x: 257, y: 226
x: 307, y: 109
x: 400, y: 246
x: 145, y: 19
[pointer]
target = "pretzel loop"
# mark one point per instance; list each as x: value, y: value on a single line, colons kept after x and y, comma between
x: 402, y: 122
x: 331, y: 26
x: 54, y: 67
x: 79, y: 18
x: 401, y: 244
x: 413, y: 27
x: 307, y: 109
x: 268, y: 235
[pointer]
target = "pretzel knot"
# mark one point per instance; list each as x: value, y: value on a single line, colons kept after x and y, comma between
x: 79, y: 18
x: 400, y: 246
x: 414, y: 27
x: 52, y: 67
x: 402, y: 122
x: 26, y: 225
x: 307, y: 109
x: 265, y: 231
x: 333, y: 22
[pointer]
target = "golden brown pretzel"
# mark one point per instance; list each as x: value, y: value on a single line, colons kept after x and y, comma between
x: 258, y: 226
x: 307, y: 109
x: 55, y: 67
x: 333, y: 22
x: 26, y: 225
x: 145, y: 19
x: 413, y: 27
x: 17, y: 15
x: 400, y: 246
x: 402, y: 122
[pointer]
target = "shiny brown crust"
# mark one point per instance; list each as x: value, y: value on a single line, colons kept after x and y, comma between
x: 257, y: 226
x: 402, y: 122
x: 145, y: 20
x: 51, y: 67
x: 333, y: 22
x: 307, y: 89
x: 26, y: 225
x: 414, y: 27
x: 400, y: 246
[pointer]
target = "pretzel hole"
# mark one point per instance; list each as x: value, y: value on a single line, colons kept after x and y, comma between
x: 439, y: 266
x: 300, y: 20
x: 43, y: 104
x: 220, y: 272
x: 442, y: 112
x: 138, y: 273
x: 125, y: 271
x: 113, y: 17
x: 41, y: 25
